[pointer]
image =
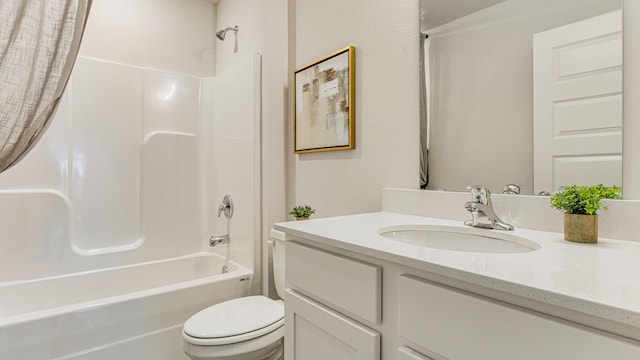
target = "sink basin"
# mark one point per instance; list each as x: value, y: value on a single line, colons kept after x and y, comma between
x: 459, y: 238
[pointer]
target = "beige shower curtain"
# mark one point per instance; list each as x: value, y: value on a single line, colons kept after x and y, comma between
x: 39, y: 41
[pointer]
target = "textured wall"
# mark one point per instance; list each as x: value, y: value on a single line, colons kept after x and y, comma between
x: 385, y: 34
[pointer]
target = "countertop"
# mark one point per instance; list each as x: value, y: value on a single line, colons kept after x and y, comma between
x: 600, y: 280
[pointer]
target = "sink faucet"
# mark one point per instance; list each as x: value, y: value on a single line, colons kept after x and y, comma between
x: 481, y: 210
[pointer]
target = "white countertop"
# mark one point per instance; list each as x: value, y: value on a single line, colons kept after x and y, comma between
x: 602, y: 280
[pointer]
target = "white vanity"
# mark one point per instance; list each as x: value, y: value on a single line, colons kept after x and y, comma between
x: 353, y: 294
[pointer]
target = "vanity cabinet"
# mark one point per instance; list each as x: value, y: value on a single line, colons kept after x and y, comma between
x: 327, y: 300
x: 334, y: 309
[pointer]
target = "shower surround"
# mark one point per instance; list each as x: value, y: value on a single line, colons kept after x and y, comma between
x: 129, y: 174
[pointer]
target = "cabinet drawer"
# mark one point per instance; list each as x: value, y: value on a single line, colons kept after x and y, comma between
x: 350, y: 285
x: 461, y: 326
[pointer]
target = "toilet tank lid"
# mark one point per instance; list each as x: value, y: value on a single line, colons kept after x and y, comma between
x: 277, y: 235
x: 234, y: 317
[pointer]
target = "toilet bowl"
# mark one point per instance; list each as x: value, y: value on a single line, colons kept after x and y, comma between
x: 248, y: 328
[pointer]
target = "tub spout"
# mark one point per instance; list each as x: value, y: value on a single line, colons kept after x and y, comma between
x: 215, y: 240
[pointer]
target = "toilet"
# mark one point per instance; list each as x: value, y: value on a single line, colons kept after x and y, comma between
x: 248, y: 328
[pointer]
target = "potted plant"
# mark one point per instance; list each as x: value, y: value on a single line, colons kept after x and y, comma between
x: 302, y: 212
x: 580, y: 205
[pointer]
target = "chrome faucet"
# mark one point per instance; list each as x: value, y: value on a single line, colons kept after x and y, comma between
x: 482, y: 212
x: 222, y: 239
x: 226, y: 207
x: 513, y: 189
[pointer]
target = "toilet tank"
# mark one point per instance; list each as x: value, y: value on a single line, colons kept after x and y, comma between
x: 277, y: 245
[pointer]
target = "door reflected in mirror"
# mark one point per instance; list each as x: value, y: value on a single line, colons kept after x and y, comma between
x: 524, y: 92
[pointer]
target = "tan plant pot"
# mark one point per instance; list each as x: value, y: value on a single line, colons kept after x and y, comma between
x: 302, y: 218
x: 581, y: 228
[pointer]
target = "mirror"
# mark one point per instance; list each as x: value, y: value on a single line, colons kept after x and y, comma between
x: 525, y: 92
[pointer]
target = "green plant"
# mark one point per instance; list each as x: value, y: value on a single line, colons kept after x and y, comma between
x: 584, y: 200
x: 302, y: 211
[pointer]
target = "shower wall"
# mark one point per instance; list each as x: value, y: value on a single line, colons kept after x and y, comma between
x: 231, y: 155
x: 116, y: 175
x: 141, y: 151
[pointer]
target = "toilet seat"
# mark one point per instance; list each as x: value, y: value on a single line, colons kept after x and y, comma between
x: 234, y: 321
x: 259, y: 348
x: 237, y: 338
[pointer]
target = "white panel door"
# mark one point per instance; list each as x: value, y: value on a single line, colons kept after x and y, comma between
x: 314, y: 332
x: 577, y: 87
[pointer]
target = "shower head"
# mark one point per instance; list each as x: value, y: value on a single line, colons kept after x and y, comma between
x: 222, y: 33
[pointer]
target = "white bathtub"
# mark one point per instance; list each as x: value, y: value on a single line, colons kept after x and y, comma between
x: 129, y: 312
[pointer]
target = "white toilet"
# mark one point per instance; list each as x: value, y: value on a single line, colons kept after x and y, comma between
x: 248, y: 328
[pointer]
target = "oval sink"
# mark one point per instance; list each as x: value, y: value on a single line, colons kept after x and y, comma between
x: 459, y: 239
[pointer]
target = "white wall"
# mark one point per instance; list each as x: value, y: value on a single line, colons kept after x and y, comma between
x: 482, y: 127
x: 275, y: 90
x: 250, y: 16
x: 171, y: 35
x: 631, y: 94
x: 385, y: 35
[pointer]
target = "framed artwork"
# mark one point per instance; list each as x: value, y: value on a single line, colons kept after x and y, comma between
x: 325, y: 112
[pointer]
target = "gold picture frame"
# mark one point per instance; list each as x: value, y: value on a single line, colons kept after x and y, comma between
x: 324, y: 104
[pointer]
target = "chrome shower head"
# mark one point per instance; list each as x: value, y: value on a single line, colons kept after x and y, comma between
x: 222, y: 33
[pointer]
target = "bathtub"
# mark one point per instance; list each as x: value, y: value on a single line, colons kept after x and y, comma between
x: 128, y: 312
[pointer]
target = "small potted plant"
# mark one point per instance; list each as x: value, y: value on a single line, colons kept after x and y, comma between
x: 580, y: 205
x: 302, y: 212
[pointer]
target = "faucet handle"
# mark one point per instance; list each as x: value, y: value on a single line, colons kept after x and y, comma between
x: 513, y: 189
x: 226, y: 207
x: 480, y: 194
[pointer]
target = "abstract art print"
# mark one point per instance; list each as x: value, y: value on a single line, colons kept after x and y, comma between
x: 325, y: 104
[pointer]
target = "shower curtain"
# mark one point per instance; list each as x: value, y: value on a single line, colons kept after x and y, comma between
x: 39, y: 41
x: 425, y: 110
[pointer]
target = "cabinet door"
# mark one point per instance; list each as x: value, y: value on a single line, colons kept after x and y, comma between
x: 462, y: 326
x: 314, y: 332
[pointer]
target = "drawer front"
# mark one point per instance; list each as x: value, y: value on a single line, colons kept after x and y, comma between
x: 461, y: 326
x: 350, y: 285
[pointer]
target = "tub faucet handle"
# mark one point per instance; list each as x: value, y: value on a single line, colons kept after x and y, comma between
x: 226, y: 207
x: 513, y: 189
